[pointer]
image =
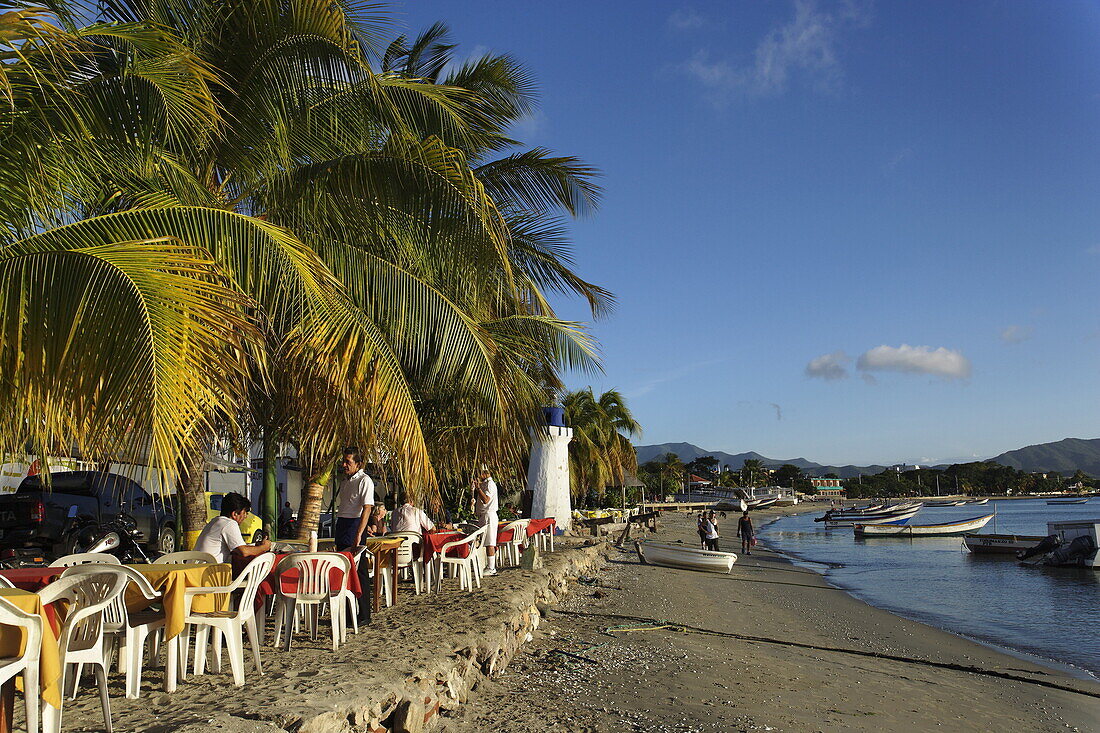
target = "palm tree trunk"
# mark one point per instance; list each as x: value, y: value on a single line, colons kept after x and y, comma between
x: 190, y: 485
x: 309, y: 511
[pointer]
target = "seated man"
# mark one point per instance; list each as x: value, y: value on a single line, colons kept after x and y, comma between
x: 221, y: 537
x: 408, y: 517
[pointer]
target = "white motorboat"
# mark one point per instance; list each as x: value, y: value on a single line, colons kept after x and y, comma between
x: 673, y: 555
x: 1069, y: 544
x: 897, y: 529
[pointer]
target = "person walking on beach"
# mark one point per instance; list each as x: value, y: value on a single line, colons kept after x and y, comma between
x: 711, y: 533
x: 745, y: 532
x: 485, y: 507
x: 700, y: 527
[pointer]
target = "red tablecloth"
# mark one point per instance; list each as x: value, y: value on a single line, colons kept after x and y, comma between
x: 537, y: 525
x: 288, y: 579
x: 434, y: 541
x: 32, y: 579
x: 505, y: 536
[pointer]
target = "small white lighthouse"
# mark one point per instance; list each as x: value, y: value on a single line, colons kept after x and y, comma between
x: 548, y: 472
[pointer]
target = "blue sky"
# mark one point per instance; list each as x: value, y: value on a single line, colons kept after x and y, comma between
x: 854, y: 232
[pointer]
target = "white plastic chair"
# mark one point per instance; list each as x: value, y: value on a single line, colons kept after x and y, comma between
x: 129, y: 631
x: 314, y: 588
x: 545, y: 538
x: 187, y: 557
x: 5, y: 583
x: 466, y: 568
x: 510, y: 551
x: 27, y: 664
x: 406, y: 559
x: 82, y: 640
x: 231, y: 623
x: 85, y: 558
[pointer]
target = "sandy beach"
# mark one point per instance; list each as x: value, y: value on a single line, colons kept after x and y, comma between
x: 577, y: 676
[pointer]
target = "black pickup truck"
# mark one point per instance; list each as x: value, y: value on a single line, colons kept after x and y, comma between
x: 36, y: 517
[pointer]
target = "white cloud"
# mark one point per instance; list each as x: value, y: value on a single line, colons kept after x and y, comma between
x: 941, y: 362
x: 686, y: 19
x: 808, y: 44
x: 1015, y: 334
x: 829, y: 366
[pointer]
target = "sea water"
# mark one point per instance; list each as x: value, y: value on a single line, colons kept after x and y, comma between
x: 1052, y: 613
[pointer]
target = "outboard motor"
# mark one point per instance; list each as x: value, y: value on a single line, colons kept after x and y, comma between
x: 1047, y: 545
x: 1074, y: 553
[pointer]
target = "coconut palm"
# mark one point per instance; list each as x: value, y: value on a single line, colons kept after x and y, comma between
x: 372, y: 267
x: 600, y: 453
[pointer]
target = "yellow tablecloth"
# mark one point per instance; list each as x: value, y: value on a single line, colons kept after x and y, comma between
x: 13, y: 640
x: 172, y: 581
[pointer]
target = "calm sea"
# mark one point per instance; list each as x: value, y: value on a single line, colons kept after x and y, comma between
x: 1052, y: 613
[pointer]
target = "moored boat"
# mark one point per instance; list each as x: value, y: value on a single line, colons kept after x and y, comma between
x: 842, y: 518
x: 902, y: 516
x: 675, y: 555
x: 999, y: 544
x: 1068, y: 501
x: 977, y: 502
x: 943, y: 503
x: 896, y: 529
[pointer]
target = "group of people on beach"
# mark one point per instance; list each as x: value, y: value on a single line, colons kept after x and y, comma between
x: 357, y: 516
x: 707, y: 526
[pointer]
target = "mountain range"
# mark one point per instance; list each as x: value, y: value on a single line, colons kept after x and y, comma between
x: 1064, y: 456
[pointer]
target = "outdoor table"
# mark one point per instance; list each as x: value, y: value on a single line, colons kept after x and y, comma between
x: 12, y: 642
x: 31, y: 579
x: 537, y: 525
x: 384, y: 550
x: 434, y: 541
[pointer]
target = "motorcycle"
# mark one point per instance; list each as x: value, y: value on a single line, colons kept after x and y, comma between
x: 119, y: 537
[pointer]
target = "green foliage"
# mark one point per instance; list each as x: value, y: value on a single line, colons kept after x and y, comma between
x: 983, y: 478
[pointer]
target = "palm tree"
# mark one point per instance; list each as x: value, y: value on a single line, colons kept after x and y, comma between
x: 378, y: 285
x: 752, y: 471
x: 600, y: 453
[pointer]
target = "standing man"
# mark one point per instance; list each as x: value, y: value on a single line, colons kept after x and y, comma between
x: 356, y: 492
x: 356, y: 500
x: 746, y: 533
x: 485, y: 507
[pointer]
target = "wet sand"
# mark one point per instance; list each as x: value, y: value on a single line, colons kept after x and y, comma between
x: 578, y: 676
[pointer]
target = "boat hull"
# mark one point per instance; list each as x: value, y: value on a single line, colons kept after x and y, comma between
x: 1068, y: 501
x: 922, y: 530
x: 999, y: 544
x: 682, y: 556
x: 871, y: 519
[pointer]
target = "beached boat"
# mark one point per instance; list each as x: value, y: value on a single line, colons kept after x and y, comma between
x: 897, y: 529
x: 761, y: 503
x: 675, y: 555
x: 999, y: 544
x: 1068, y: 501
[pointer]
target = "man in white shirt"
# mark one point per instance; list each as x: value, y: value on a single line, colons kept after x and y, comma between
x: 485, y: 507
x: 221, y: 536
x: 409, y: 518
x: 356, y: 501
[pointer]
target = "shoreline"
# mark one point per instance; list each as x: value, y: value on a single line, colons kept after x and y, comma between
x: 774, y: 647
x: 1033, y: 657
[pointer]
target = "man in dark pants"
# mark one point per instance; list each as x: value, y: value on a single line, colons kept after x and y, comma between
x: 356, y: 495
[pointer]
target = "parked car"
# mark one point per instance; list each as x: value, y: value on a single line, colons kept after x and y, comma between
x: 250, y: 524
x: 37, y: 518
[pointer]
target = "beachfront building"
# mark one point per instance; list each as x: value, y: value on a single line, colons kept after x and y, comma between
x: 828, y: 487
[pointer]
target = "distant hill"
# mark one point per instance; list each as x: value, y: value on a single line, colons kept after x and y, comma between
x: 1063, y: 456
x: 688, y: 452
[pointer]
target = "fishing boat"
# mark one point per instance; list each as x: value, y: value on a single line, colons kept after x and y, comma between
x: 977, y: 502
x: 675, y: 555
x: 843, y: 517
x: 900, y: 516
x: 897, y: 529
x: 943, y: 503
x: 999, y: 544
x: 1068, y: 501
x: 761, y: 503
